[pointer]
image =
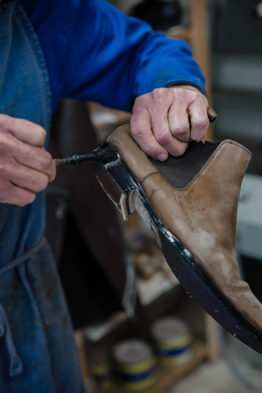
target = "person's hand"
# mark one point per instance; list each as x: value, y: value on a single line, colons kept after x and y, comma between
x: 25, y: 166
x: 165, y: 120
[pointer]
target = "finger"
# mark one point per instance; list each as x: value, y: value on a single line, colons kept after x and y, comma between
x: 36, y: 158
x: 179, y: 122
x: 13, y: 150
x: 178, y: 147
x: 24, y: 130
x: 27, y: 178
x: 141, y: 131
x: 10, y: 193
x: 20, y: 197
x: 199, y: 119
x: 52, y: 171
x: 162, y: 132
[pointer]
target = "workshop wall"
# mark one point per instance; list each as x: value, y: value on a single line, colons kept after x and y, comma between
x: 236, y: 59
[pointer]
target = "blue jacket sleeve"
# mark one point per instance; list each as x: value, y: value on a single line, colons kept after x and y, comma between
x: 96, y: 53
x: 112, y: 58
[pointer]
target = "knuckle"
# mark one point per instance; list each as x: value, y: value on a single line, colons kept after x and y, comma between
x: 201, y: 97
x: 7, y: 169
x: 199, y: 129
x: 159, y: 91
x: 178, y: 92
x: 179, y: 150
x: 42, y: 182
x: 163, y: 137
x: 16, y: 126
x: 140, y: 102
x: 31, y: 198
x: 45, y: 159
x: 180, y: 128
x: 138, y: 133
x: 28, y: 131
x: 147, y: 143
x: 5, y: 191
x: 5, y: 121
x: 52, y: 174
x: 200, y: 120
x: 158, y: 94
x: 152, y: 151
x: 41, y: 132
x: 6, y: 142
x: 202, y: 123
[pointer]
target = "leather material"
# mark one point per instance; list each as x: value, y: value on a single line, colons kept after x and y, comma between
x: 179, y: 171
x: 201, y: 214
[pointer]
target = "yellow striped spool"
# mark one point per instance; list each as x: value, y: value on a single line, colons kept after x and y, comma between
x: 134, y: 364
x: 172, y: 341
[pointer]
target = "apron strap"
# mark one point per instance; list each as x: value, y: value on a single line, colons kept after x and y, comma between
x: 18, y: 261
x: 15, y: 365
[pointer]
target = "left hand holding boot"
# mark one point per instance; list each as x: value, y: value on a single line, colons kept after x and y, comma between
x: 165, y: 120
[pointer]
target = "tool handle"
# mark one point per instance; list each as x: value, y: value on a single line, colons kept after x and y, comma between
x: 72, y: 159
x: 103, y: 153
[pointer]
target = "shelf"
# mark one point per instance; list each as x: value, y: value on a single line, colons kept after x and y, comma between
x: 179, y: 32
x: 104, y: 117
x: 166, y: 376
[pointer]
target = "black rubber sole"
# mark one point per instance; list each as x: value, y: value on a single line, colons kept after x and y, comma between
x: 187, y: 270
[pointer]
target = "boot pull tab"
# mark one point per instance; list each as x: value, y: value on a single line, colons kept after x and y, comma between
x: 212, y: 115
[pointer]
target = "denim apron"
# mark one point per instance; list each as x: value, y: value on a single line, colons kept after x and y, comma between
x: 37, y: 350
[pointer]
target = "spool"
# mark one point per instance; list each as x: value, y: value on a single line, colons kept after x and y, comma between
x: 133, y: 364
x: 173, y: 341
x: 99, y: 368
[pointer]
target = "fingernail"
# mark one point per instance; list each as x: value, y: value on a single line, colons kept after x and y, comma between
x: 162, y: 157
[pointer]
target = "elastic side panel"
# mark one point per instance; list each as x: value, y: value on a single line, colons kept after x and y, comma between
x: 179, y: 171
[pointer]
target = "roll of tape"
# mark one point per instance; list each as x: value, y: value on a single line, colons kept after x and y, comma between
x: 100, y: 373
x: 133, y: 364
x: 99, y: 367
x: 173, y: 341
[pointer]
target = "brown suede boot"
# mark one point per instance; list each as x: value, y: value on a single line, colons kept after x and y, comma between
x: 191, y: 203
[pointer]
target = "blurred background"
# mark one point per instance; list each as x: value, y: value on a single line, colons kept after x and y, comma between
x: 122, y: 296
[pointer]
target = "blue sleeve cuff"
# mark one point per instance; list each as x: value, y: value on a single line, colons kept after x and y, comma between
x: 165, y: 61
